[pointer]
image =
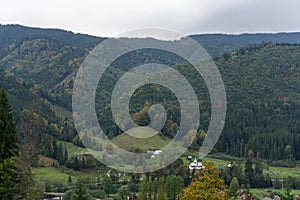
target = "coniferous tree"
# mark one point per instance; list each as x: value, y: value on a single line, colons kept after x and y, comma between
x: 76, y: 165
x: 70, y: 179
x: 55, y: 149
x: 11, y: 169
x: 9, y: 143
x: 249, y: 172
x: 80, y: 192
x: 174, y: 185
x: 60, y: 154
x: 66, y: 157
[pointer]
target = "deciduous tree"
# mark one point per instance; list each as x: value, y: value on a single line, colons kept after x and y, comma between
x: 206, y: 186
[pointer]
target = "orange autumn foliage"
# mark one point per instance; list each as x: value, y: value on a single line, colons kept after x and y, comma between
x: 206, y: 186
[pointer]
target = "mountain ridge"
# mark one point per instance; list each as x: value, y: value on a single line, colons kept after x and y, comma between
x: 215, y: 43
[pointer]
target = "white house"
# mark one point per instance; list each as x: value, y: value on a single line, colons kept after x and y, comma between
x: 196, y: 165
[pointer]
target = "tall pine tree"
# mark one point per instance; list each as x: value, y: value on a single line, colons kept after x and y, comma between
x: 9, y: 143
x: 11, y: 170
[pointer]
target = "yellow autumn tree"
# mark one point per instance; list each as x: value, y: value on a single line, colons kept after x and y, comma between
x: 207, y: 185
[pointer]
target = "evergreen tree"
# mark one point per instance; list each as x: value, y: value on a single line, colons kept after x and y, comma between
x: 66, y: 157
x: 83, y: 162
x: 12, y: 180
x: 80, y: 192
x: 174, y: 185
x: 60, y: 154
x: 9, y: 143
x: 55, y: 149
x: 249, y: 172
x: 70, y: 179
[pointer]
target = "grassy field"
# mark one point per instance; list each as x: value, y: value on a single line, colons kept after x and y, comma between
x: 53, y: 175
x: 60, y: 175
x: 129, y: 142
x: 281, y: 172
x: 72, y: 149
x: 219, y: 163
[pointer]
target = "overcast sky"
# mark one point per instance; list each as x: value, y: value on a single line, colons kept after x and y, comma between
x: 111, y: 17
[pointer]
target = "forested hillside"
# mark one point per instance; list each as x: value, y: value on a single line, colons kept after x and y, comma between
x: 263, y: 90
x: 261, y: 81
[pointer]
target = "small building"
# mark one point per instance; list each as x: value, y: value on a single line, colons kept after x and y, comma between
x: 195, y: 165
x: 230, y: 165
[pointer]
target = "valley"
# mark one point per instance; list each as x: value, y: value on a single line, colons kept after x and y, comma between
x: 261, y: 135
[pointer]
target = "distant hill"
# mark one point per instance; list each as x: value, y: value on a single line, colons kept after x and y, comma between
x: 218, y: 43
x: 15, y: 34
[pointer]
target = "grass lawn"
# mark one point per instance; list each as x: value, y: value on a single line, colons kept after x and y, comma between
x: 219, y: 163
x: 130, y: 143
x: 259, y: 193
x: 60, y: 175
x: 282, y: 172
x: 52, y: 175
